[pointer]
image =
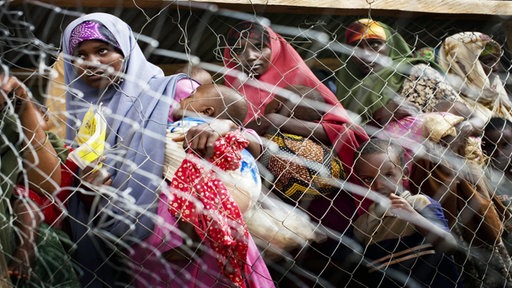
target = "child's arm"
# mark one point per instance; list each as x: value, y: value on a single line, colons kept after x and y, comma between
x: 437, y: 236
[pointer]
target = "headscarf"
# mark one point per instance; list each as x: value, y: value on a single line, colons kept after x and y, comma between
x: 365, y: 29
x: 459, y: 56
x: 287, y: 68
x: 90, y: 30
x: 348, y: 79
x: 137, y: 113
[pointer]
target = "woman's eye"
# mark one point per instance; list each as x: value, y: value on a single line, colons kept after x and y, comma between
x: 258, y: 47
x: 80, y: 56
x: 103, y: 51
x: 375, y: 45
x: 388, y: 175
x: 367, y: 180
x: 238, y: 50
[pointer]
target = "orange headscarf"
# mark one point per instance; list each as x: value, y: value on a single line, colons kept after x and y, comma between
x: 364, y: 29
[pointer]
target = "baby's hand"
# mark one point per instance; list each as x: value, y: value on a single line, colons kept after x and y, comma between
x: 95, y: 175
x: 400, y: 207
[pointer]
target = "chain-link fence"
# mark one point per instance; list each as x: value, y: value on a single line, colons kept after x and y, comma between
x: 99, y: 189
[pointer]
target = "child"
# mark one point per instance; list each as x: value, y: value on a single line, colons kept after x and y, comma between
x: 218, y: 101
x: 240, y: 180
x: 406, y: 242
x: 302, y: 167
x: 197, y: 73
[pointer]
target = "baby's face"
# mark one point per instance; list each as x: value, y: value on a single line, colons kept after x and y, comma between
x: 380, y: 172
x: 193, y: 105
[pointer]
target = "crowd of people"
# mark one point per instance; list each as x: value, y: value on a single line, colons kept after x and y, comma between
x: 397, y: 177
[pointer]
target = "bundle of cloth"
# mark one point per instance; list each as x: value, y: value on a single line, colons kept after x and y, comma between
x: 268, y: 219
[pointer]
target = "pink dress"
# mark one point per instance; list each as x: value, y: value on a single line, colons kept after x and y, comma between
x: 152, y: 270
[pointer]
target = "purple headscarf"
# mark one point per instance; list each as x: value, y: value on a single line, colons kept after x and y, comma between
x: 91, y: 30
x: 136, y: 115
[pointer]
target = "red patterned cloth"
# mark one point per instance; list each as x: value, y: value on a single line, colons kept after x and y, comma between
x: 201, y: 199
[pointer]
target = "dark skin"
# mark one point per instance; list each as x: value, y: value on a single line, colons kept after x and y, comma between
x: 96, y: 56
x: 369, y: 50
x: 366, y: 54
x: 43, y: 174
x: 254, y: 58
x: 275, y: 121
x: 499, y: 148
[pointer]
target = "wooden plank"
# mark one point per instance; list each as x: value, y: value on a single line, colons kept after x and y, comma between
x: 460, y: 7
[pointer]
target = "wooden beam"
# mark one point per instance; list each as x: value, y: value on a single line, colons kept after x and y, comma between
x: 483, y: 7
x: 451, y: 7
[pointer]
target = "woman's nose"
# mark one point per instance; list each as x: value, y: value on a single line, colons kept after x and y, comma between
x: 251, y: 54
x: 91, y: 61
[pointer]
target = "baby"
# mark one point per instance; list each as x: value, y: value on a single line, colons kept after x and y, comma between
x: 265, y: 221
x: 409, y: 238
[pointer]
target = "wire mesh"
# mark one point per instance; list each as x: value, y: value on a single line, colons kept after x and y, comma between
x: 297, y: 215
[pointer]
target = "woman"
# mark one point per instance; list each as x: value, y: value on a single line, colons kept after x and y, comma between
x: 472, y: 59
x: 267, y: 57
x: 376, y: 87
x: 108, y: 67
x: 272, y: 63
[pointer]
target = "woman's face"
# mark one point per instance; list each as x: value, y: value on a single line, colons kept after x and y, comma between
x: 253, y: 56
x: 490, y: 63
x: 365, y: 57
x: 101, y: 63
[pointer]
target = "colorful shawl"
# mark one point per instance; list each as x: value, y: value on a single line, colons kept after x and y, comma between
x: 287, y: 68
x: 202, y: 199
x: 459, y: 56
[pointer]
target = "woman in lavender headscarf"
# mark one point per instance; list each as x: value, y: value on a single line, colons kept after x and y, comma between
x: 106, y: 66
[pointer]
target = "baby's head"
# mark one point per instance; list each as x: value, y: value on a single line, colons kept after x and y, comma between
x: 497, y: 143
x: 197, y: 73
x: 380, y: 166
x: 302, y: 110
x: 216, y: 101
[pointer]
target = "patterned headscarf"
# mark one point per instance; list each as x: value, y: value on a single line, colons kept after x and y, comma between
x: 364, y: 29
x: 91, y: 30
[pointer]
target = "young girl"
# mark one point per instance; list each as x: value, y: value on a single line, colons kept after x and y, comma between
x: 407, y: 242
